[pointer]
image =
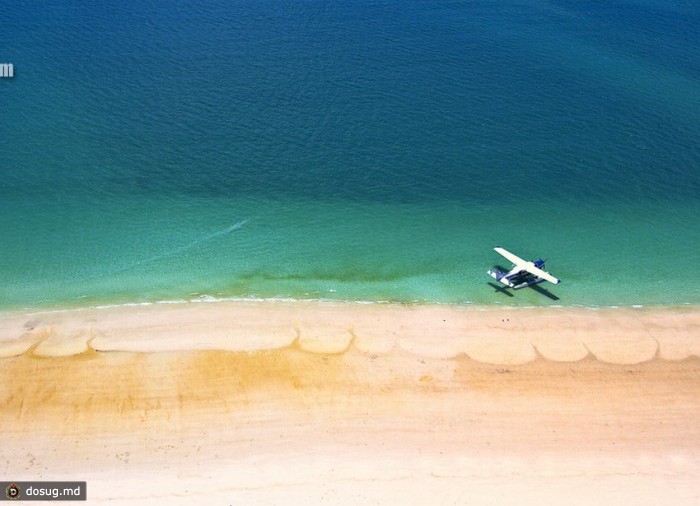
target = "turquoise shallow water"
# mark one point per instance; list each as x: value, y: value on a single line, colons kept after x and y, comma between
x: 356, y: 151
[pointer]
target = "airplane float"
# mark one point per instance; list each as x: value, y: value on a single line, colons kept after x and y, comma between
x: 523, y: 273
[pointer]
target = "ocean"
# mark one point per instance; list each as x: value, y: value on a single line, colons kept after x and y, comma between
x: 349, y: 150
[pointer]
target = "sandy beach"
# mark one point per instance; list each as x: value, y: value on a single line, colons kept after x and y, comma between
x: 344, y: 403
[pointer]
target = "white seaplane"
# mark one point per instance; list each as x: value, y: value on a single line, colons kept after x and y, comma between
x: 522, y: 274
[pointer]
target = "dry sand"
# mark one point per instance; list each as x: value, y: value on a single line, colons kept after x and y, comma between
x: 308, y: 402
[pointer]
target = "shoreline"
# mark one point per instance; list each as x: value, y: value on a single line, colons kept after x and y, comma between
x: 77, y: 305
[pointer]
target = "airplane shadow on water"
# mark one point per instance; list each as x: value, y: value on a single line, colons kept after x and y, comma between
x: 537, y: 288
x: 544, y: 291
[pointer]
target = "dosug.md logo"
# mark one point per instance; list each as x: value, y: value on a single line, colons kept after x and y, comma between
x: 12, y: 491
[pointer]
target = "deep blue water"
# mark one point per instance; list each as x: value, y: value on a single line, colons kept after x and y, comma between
x: 358, y: 150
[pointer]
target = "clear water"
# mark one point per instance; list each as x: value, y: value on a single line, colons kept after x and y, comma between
x: 359, y: 150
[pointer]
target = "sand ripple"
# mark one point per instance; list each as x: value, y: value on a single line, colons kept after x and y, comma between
x: 487, y: 335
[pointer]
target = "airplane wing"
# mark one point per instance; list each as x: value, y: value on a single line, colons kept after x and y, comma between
x: 530, y: 267
x: 515, y: 259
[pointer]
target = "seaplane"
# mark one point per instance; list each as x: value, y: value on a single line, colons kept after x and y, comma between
x: 523, y: 272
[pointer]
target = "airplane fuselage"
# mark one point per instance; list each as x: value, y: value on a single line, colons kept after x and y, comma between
x: 517, y: 277
x: 515, y: 280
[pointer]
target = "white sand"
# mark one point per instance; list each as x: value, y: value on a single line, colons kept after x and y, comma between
x: 307, y: 403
